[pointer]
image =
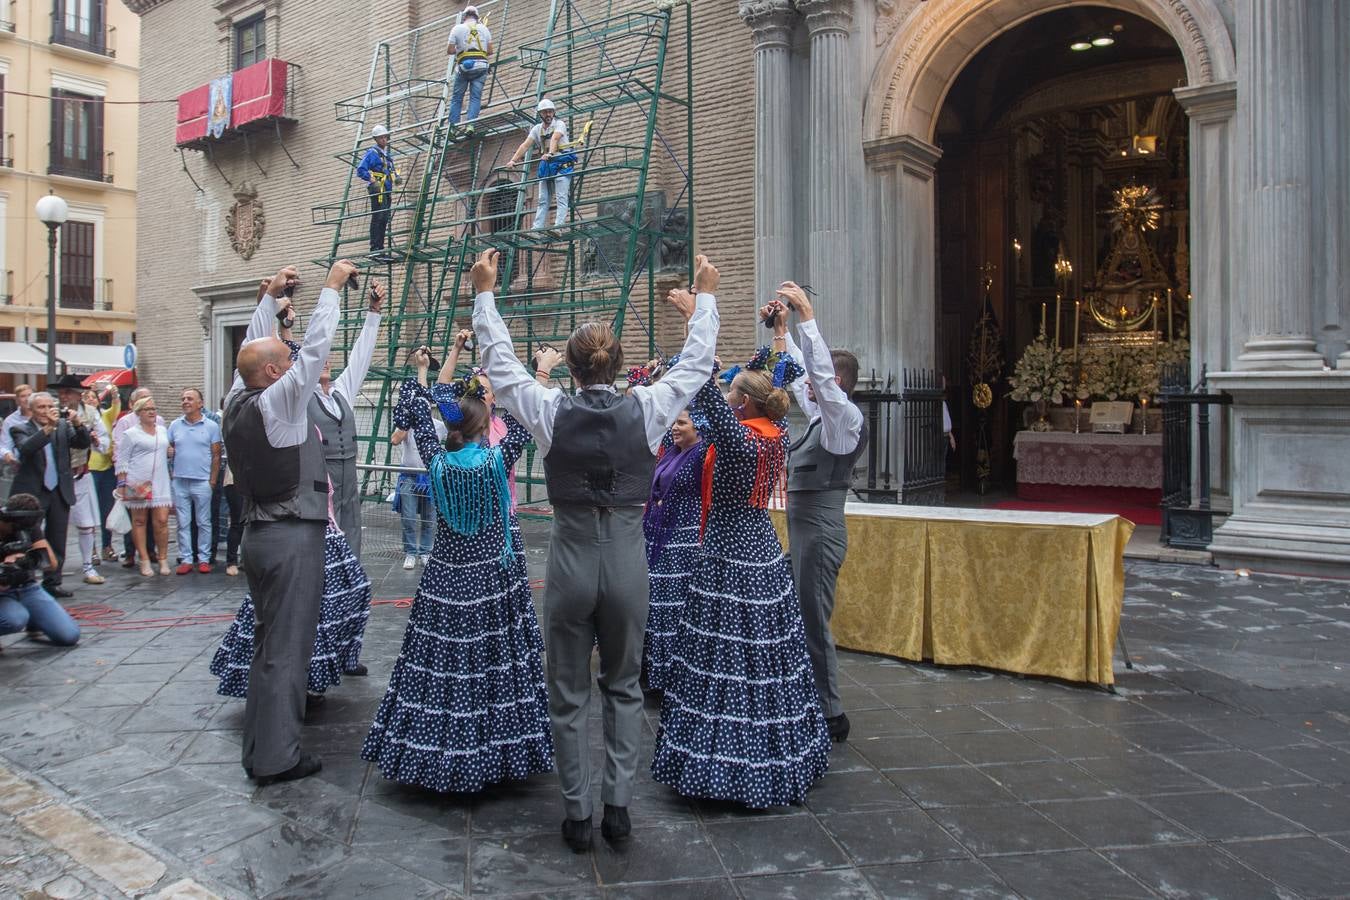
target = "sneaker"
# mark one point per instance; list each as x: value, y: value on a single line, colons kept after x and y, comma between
x: 204, y: 568
x: 423, y: 558
x: 409, y: 561
x: 231, y: 570
x: 91, y: 576
x: 183, y: 568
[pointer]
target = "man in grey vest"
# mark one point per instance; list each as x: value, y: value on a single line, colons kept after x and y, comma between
x: 331, y: 410
x: 277, y: 460
x: 820, y: 473
x: 599, y: 451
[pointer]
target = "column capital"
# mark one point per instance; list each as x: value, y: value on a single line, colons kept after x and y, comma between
x: 918, y: 157
x: 826, y: 15
x: 1208, y: 103
x: 771, y: 21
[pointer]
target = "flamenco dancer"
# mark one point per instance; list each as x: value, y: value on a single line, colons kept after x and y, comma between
x: 670, y: 525
x: 497, y: 426
x: 466, y: 705
x: 599, y: 451
x: 740, y: 719
x: 820, y: 472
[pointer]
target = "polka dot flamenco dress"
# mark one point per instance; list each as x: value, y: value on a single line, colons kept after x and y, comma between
x: 466, y: 705
x: 671, y: 527
x: 337, y: 642
x: 741, y: 718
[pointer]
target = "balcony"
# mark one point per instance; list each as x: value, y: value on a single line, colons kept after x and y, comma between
x: 7, y: 151
x: 73, y: 168
x: 89, y: 35
x: 259, y: 96
x: 7, y: 287
x: 96, y: 296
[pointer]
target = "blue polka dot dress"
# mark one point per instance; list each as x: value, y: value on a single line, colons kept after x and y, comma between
x: 337, y: 642
x: 466, y: 705
x: 741, y: 719
x: 670, y: 525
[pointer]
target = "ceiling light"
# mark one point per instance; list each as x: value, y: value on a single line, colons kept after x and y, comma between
x: 1080, y: 46
x: 1103, y: 41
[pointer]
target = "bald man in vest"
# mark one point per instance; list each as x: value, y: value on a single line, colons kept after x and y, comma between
x: 277, y: 458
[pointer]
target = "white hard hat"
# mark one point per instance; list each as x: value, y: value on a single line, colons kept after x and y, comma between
x: 545, y: 104
x: 469, y: 11
x: 379, y: 131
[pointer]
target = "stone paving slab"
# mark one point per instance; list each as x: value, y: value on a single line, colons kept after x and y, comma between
x: 1221, y: 768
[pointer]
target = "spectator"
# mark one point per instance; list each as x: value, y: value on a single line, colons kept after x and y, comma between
x: 125, y: 421
x: 23, y: 602
x: 84, y: 513
x: 413, y: 499
x: 142, y: 462
x: 194, y: 447
x: 101, y: 461
x: 44, y: 444
x: 8, y: 454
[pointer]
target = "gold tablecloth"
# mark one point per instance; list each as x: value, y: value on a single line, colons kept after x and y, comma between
x: 1036, y: 593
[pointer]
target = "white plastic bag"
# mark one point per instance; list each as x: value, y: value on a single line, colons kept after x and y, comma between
x: 119, y: 520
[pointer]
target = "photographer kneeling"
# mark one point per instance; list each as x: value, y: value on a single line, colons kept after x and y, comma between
x: 23, y: 601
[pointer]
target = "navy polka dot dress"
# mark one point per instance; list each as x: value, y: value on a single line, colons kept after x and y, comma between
x: 671, y: 527
x: 466, y: 705
x: 337, y: 642
x: 741, y: 718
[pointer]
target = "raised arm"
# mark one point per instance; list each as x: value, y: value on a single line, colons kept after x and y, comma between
x: 514, y: 442
x: 725, y: 431
x: 447, y: 373
x: 841, y: 421
x: 798, y: 387
x: 264, y: 319
x: 662, y: 402
x: 530, y: 402
x: 348, y: 384
x: 413, y: 414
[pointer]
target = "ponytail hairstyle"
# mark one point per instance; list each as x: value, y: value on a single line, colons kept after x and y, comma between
x: 758, y: 386
x: 472, y: 425
x: 594, y: 355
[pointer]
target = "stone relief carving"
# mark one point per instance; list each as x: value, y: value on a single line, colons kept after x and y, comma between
x: 890, y: 13
x: 244, y: 222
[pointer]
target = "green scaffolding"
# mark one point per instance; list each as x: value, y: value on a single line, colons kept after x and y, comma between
x: 605, y: 70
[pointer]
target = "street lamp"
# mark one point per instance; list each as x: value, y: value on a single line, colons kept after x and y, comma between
x: 52, y: 211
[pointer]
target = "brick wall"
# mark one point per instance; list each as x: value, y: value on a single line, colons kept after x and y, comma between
x: 185, y: 253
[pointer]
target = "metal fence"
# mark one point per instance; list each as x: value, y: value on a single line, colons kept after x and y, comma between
x: 1188, y: 519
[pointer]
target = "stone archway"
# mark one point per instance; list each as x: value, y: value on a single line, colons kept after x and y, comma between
x: 908, y: 87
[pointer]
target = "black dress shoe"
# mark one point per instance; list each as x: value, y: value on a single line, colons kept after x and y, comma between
x: 308, y: 765
x: 357, y: 670
x: 615, y: 825
x: 58, y: 592
x: 838, y: 728
x: 577, y: 834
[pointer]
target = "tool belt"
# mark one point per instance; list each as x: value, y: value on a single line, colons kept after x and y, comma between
x: 562, y: 164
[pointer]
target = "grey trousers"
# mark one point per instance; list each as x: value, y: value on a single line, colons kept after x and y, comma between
x: 284, y: 564
x: 346, y: 500
x: 595, y: 592
x: 819, y: 540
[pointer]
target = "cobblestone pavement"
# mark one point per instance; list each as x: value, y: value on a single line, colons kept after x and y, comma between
x: 1219, y: 770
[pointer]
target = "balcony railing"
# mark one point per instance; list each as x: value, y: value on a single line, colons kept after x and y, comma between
x: 82, y: 33
x: 7, y: 151
x: 102, y: 171
x: 7, y: 287
x: 97, y: 296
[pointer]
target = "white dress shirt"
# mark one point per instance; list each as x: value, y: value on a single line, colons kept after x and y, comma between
x: 7, y: 450
x: 348, y: 384
x: 841, y: 421
x: 535, y: 406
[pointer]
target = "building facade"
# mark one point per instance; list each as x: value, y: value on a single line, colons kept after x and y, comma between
x: 68, y: 124
x: 926, y: 166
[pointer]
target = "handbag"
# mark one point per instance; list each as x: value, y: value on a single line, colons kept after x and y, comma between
x: 119, y: 520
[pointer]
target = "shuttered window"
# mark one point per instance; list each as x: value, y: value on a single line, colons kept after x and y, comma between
x: 79, y: 23
x: 77, y: 265
x: 77, y: 135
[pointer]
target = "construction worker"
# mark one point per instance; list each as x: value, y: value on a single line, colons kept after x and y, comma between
x: 555, y: 168
x: 378, y: 172
x: 471, y: 46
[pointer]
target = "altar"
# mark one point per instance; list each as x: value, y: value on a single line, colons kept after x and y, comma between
x: 1055, y: 466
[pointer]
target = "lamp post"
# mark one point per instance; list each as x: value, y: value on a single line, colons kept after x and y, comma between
x: 52, y: 211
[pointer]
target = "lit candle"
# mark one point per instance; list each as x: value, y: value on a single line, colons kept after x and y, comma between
x: 1155, y: 318
x: 1077, y: 314
x: 1169, y: 314
x: 1056, y: 320
x: 1042, y: 318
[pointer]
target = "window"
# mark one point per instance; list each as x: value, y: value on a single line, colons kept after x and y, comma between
x: 79, y: 23
x: 77, y: 135
x: 250, y: 42
x: 77, y: 265
x: 84, y: 338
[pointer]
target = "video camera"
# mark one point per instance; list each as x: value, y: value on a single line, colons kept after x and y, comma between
x: 19, y: 561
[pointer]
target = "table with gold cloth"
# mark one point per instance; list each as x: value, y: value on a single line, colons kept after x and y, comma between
x: 1030, y: 592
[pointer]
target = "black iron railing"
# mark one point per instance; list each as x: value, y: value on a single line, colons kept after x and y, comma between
x: 91, y: 34
x: 1188, y: 519
x: 914, y: 415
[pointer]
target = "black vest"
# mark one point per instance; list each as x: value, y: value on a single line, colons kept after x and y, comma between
x: 813, y: 468
x: 600, y: 455
x: 275, y: 483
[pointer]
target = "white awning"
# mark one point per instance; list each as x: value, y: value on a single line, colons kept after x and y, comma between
x: 86, y: 359
x: 21, y: 359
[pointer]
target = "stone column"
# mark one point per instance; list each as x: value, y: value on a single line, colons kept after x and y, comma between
x: 1273, y: 72
x: 772, y: 22
x: 832, y: 135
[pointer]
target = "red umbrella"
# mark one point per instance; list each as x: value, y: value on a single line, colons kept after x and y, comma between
x: 119, y: 377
